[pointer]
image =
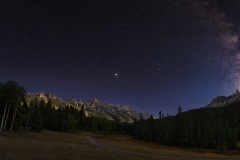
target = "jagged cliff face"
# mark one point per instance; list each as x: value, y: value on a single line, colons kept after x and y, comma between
x: 223, y: 100
x: 98, y: 108
x: 57, y: 102
x: 93, y: 107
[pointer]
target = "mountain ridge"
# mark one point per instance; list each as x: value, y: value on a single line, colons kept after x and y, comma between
x: 93, y: 107
x: 221, y: 101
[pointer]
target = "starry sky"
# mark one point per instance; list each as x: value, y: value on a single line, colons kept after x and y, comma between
x: 152, y: 55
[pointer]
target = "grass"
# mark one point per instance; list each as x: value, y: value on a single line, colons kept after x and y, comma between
x: 61, y: 146
x: 128, y: 143
x: 54, y: 146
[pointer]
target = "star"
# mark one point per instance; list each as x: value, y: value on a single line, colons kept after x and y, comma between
x: 116, y: 74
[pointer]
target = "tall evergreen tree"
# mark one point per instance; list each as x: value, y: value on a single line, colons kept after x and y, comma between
x: 81, y: 118
x: 36, y: 122
x: 160, y: 114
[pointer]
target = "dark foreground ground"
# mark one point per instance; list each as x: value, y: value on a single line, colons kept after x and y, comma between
x: 61, y: 146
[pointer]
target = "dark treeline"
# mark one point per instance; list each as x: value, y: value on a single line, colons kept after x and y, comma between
x: 70, y: 119
x: 215, y: 128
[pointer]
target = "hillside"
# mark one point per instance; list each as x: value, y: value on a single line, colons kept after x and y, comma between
x: 93, y: 107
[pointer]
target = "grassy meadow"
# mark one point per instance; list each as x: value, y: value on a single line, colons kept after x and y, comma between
x: 63, y: 146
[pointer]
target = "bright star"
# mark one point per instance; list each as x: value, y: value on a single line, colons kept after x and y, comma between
x: 116, y: 74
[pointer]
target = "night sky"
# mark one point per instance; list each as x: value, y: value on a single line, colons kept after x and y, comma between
x: 152, y: 54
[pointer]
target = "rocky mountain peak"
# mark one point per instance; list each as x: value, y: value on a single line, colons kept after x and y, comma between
x: 220, y: 101
x: 94, y: 100
x: 93, y: 107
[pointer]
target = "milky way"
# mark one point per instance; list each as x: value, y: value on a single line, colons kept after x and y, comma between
x: 151, y: 54
x: 228, y: 32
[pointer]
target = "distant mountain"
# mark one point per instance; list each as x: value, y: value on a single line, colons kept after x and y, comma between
x: 93, y: 107
x: 223, y: 100
x: 46, y: 97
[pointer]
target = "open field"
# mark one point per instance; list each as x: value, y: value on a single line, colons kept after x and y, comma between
x: 61, y: 146
x: 130, y: 144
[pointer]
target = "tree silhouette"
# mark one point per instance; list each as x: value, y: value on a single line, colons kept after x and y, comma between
x: 12, y: 96
x: 36, y: 122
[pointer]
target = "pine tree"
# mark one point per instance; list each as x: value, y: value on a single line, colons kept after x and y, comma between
x: 36, y: 122
x: 179, y: 110
x: 81, y: 118
x: 160, y: 114
x: 180, y: 133
x: 141, y: 116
